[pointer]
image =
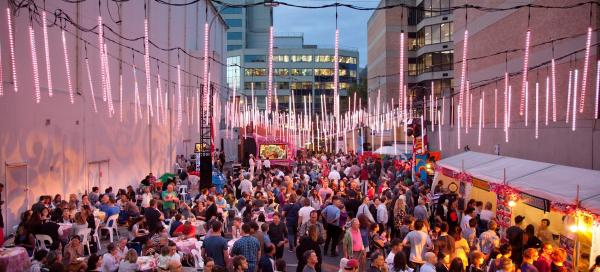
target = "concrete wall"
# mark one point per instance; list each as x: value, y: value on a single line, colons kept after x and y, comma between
x: 67, y: 148
x: 499, y: 31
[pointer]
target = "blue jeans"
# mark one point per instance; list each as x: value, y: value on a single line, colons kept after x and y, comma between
x: 292, y: 234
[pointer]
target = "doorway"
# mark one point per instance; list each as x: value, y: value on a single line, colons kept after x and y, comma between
x: 16, y: 176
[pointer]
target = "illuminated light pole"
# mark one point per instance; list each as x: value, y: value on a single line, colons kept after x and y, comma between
x: 47, y: 52
x: 108, y: 86
x: 458, y: 130
x: 401, y: 75
x: 11, y: 43
x: 553, y: 68
x: 147, y: 67
x: 525, y: 68
x: 121, y: 98
x: 101, y: 55
x: 569, y: 96
x: 205, y: 92
x: 586, y: 65
x: 136, y: 94
x: 463, y: 76
x: 431, y: 110
x: 526, y: 103
x: 336, y: 71
x: 67, y: 68
x: 508, y: 113
x: 574, y: 99
x: 270, y: 75
x: 34, y: 64
x: 495, y: 107
x: 480, y: 121
x: 547, y: 100
x: 537, y: 109
x: 483, y: 109
x: 89, y: 74
x: 440, y: 130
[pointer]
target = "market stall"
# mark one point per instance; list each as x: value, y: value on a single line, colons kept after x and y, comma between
x: 567, y: 196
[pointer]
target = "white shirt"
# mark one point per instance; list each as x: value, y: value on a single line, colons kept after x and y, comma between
x: 427, y: 267
x: 486, y: 215
x: 418, y: 240
x: 304, y: 213
x: 267, y: 163
x: 251, y: 162
x: 389, y: 260
x: 146, y: 197
x: 464, y: 223
x: 382, y: 214
x: 334, y: 175
x: 109, y: 263
x: 365, y: 209
x: 246, y: 186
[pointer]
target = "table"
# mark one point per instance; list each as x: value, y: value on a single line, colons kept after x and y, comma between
x: 146, y: 263
x: 185, y: 246
x: 16, y: 258
x: 66, y: 230
x: 200, y: 227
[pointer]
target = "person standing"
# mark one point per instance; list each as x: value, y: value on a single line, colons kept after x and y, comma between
x: 278, y: 235
x: 430, y: 261
x: 378, y: 263
x: 170, y: 200
x: 240, y: 264
x: 215, y: 246
x: 419, y: 241
x: 309, y: 243
x: 251, y: 165
x: 153, y: 216
x: 248, y: 247
x: 331, y: 217
x: 544, y: 262
x: 382, y: 214
x: 267, y: 261
x: 514, y: 234
x: 530, y: 255
x: 311, y: 261
x: 1, y: 217
x: 353, y: 244
x: 313, y: 221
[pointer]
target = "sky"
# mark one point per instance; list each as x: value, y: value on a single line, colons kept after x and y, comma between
x: 318, y: 25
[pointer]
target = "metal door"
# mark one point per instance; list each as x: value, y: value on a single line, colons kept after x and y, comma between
x: 98, y: 174
x: 17, y: 196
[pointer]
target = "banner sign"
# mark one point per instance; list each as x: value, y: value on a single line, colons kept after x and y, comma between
x: 536, y: 202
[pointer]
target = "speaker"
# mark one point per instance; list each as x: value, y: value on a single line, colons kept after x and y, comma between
x: 205, y: 172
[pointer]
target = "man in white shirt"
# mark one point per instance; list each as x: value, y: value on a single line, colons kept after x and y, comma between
x: 267, y: 164
x: 419, y: 242
x: 430, y: 261
x: 334, y: 174
x: 464, y: 223
x: 395, y: 247
x: 364, y: 209
x: 251, y: 163
x: 304, y: 212
x: 382, y: 213
x: 246, y: 185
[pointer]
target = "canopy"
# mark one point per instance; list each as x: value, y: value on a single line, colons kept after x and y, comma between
x: 557, y: 183
x: 166, y: 176
x: 394, y: 150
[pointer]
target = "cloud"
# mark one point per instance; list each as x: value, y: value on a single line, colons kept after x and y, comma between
x: 318, y: 25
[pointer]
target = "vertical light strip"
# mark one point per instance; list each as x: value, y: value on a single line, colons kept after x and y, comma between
x: 67, y: 68
x: 496, y: 107
x: 270, y: 67
x: 506, y: 109
x: 120, y: 96
x: 443, y: 109
x: 1, y: 74
x: 586, y: 65
x: 508, y: 114
x: 34, y: 64
x: 108, y: 86
x: 136, y: 94
x: 179, y: 113
x: 483, y: 109
x: 468, y: 108
x: 197, y: 108
x: 89, y: 74
x: 458, y: 128
x: 537, y: 109
x: 440, y: 130
x: 575, y: 98
x: 553, y: 68
x: 463, y: 76
x: 431, y: 110
x: 205, y: 95
x: 336, y: 72
x: 547, y: 100
x: 101, y: 54
x: 569, y: 96
x: 525, y: 68
x: 401, y: 74
x: 147, y: 67
x: 158, y: 98
x: 47, y: 52
x: 11, y: 43
x: 597, y: 89
x: 480, y: 121
x: 526, y: 103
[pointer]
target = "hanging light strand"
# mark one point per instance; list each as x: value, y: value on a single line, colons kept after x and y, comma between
x: 586, y: 65
x: 147, y: 67
x: 67, y: 66
x: 47, y: 53
x: 11, y: 44
x: 34, y: 64
x: 89, y: 74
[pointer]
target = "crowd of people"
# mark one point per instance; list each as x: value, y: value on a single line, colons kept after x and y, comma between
x: 365, y: 211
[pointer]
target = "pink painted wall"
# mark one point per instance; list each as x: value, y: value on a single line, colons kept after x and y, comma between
x: 494, y: 32
x: 58, y: 153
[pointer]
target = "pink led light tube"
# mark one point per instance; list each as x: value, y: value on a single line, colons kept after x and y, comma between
x: 11, y: 43
x: 67, y: 68
x: 34, y: 64
x: 101, y: 55
x: 586, y: 66
x: 47, y: 52
x: 463, y: 75
x: 525, y: 68
x: 147, y: 67
x: 270, y: 78
x: 89, y: 74
x: 553, y: 69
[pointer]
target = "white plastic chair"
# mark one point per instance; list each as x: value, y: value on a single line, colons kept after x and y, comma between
x: 95, y: 236
x: 84, y: 234
x: 198, y: 261
x: 111, y: 225
x: 43, y: 241
x: 183, y: 192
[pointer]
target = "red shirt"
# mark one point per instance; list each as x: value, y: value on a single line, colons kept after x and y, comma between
x: 187, y: 230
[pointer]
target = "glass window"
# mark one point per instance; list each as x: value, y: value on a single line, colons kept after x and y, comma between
x: 427, y: 8
x: 280, y: 72
x: 234, y: 22
x: 232, y: 10
x: 282, y: 85
x: 259, y: 85
x: 435, y: 34
x: 234, y: 35
x: 234, y: 47
x: 301, y: 72
x: 233, y: 72
x: 324, y: 58
x: 255, y: 58
x: 301, y: 58
x: 323, y: 72
x: 301, y: 85
x: 427, y: 36
x: 324, y: 85
x: 281, y: 58
x: 255, y: 72
x: 344, y: 86
x: 435, y: 7
x: 446, y: 34
x: 444, y: 7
